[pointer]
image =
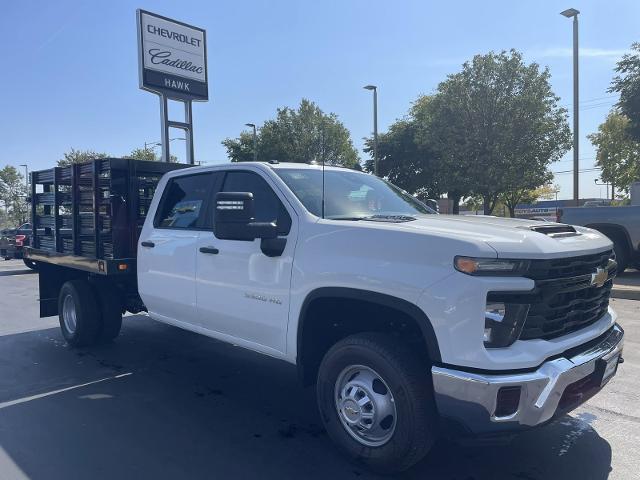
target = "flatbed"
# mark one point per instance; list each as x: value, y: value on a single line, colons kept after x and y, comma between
x: 86, y: 218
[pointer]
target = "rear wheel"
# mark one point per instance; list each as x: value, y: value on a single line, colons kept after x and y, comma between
x: 376, y: 401
x: 80, y: 319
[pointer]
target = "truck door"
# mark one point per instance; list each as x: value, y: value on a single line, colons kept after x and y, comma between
x: 167, y: 252
x: 242, y: 294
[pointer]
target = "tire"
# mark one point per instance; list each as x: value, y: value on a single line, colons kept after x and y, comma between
x: 400, y: 372
x: 30, y: 264
x: 80, y: 319
x: 622, y: 255
x: 111, y: 309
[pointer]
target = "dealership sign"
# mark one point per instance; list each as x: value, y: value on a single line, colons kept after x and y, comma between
x: 172, y: 57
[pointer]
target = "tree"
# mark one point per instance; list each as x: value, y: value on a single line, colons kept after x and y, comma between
x: 513, y: 198
x: 13, y: 193
x: 79, y: 156
x: 302, y: 135
x: 404, y: 160
x: 627, y: 84
x: 618, y: 153
x: 497, y: 126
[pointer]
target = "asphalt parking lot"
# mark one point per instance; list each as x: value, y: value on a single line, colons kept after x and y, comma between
x: 162, y: 403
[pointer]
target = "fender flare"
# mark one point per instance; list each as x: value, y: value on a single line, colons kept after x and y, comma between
x: 406, y: 307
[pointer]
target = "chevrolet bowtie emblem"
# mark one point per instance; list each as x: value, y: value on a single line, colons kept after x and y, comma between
x: 599, y: 278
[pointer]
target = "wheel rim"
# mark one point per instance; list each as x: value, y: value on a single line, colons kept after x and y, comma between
x: 365, y: 405
x: 69, y: 314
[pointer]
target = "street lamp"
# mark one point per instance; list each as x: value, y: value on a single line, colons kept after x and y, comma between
x: 255, y: 140
x: 569, y: 13
x: 595, y: 180
x: 375, y: 126
x: 159, y: 144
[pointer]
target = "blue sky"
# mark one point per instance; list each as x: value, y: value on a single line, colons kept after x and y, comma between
x: 69, y: 74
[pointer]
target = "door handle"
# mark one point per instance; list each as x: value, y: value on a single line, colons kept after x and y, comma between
x: 148, y: 244
x: 211, y: 250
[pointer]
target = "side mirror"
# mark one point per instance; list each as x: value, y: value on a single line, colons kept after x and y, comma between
x: 234, y: 219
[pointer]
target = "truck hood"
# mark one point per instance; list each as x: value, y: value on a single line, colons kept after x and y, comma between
x: 513, y: 238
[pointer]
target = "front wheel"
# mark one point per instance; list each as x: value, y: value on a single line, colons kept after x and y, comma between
x: 376, y: 401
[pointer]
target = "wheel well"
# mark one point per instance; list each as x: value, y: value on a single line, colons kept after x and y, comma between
x: 327, y: 319
x: 615, y: 233
x: 50, y: 280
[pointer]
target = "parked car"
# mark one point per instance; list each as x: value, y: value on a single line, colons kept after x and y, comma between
x: 620, y: 224
x: 13, y: 241
x: 411, y: 324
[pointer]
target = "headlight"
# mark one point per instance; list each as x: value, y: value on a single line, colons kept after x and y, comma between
x: 503, y: 323
x: 490, y: 266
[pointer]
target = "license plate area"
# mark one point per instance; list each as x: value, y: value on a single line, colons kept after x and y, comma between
x: 608, y: 367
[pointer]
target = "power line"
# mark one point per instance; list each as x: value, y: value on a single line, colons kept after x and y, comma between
x: 584, y: 170
x: 581, y: 159
x: 582, y: 102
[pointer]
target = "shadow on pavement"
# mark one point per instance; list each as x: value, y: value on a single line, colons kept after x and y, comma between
x: 8, y: 273
x: 197, y: 408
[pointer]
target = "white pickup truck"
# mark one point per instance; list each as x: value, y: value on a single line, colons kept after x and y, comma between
x: 410, y: 324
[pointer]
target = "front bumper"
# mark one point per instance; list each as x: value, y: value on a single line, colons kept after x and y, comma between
x: 470, y: 400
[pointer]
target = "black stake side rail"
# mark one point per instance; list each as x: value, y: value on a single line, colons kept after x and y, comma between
x: 89, y: 215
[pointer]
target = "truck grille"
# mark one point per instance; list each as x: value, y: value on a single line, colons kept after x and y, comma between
x: 564, y: 300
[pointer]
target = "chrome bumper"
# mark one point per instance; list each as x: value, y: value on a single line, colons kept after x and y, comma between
x: 470, y: 399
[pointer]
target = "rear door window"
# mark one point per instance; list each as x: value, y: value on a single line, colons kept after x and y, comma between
x: 184, y: 202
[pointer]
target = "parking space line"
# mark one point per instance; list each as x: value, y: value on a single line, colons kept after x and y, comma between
x: 18, y: 401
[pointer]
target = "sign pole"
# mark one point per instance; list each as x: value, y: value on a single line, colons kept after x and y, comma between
x: 164, y: 127
x: 188, y: 116
x: 172, y: 63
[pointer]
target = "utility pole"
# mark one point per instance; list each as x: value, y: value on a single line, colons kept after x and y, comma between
x: 374, y: 88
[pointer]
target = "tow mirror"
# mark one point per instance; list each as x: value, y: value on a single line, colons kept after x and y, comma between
x: 234, y: 218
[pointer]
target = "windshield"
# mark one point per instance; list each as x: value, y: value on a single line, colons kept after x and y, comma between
x: 350, y: 195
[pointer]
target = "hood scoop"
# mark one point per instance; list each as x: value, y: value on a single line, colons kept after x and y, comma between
x: 554, y: 230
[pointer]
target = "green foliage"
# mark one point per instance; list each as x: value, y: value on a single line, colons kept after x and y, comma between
x: 618, y: 153
x: 490, y: 132
x: 497, y: 126
x: 303, y: 135
x: 149, y: 154
x: 627, y: 84
x: 405, y: 160
x: 146, y: 153
x: 79, y: 156
x: 13, y: 194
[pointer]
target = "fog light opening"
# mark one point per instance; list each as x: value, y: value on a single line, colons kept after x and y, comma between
x: 507, y: 401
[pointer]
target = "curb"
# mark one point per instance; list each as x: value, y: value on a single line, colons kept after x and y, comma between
x: 625, y: 292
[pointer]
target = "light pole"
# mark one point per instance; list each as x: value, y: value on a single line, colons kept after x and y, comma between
x: 26, y: 184
x: 569, y: 13
x: 255, y: 141
x: 153, y: 145
x: 595, y: 180
x: 375, y: 126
